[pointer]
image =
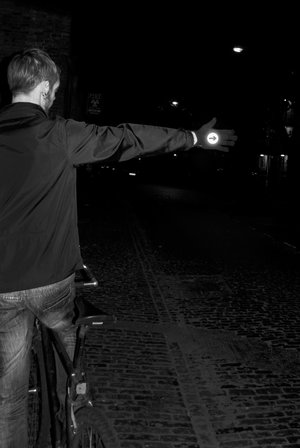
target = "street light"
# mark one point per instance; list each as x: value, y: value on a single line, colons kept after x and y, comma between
x: 238, y: 49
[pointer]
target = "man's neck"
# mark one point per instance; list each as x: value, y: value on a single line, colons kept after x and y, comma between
x: 21, y: 98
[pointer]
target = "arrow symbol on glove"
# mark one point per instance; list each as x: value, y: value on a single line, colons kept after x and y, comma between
x: 212, y: 138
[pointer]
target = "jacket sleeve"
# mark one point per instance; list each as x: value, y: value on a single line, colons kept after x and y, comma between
x: 88, y: 143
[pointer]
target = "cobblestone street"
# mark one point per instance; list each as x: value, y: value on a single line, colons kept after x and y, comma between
x: 205, y: 352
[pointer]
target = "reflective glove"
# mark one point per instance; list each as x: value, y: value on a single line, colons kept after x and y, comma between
x: 214, y: 139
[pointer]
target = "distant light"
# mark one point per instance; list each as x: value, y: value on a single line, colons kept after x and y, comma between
x: 175, y: 155
x: 174, y: 103
x: 238, y: 49
x: 261, y: 155
x: 132, y: 174
x: 282, y: 155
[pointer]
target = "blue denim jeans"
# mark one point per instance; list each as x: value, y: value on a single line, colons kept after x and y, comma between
x: 53, y: 305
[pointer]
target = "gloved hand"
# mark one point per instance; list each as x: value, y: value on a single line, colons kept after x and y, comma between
x: 220, y: 140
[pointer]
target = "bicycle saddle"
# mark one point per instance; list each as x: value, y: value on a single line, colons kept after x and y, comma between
x: 88, y: 314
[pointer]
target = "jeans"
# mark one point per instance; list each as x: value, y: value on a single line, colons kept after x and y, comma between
x: 52, y: 305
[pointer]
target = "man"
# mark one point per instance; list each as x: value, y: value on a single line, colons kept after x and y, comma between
x: 39, y: 245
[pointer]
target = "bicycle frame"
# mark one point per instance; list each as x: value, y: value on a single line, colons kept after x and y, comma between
x: 77, y: 391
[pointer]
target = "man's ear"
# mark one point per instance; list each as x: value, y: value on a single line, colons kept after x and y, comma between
x: 45, y: 86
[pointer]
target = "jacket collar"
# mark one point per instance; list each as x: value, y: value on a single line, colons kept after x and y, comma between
x: 22, y: 106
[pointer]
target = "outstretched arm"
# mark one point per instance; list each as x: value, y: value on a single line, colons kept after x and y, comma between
x: 88, y: 143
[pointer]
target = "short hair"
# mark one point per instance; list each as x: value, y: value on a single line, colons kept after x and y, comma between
x: 30, y: 67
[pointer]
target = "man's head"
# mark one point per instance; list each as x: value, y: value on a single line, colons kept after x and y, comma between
x: 33, y: 76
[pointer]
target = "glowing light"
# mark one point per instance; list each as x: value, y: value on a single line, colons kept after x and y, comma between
x: 174, y: 103
x: 238, y: 49
x: 132, y: 174
x: 212, y: 138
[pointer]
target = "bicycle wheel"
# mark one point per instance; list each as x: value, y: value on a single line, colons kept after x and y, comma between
x: 38, y: 415
x: 94, y: 430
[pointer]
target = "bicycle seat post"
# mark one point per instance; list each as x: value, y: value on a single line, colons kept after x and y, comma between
x: 79, y: 347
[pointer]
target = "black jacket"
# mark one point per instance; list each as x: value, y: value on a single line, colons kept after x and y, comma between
x: 39, y: 242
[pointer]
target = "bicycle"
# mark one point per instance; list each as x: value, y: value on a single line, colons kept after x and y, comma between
x: 80, y: 425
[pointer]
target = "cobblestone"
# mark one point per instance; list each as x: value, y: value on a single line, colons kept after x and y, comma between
x: 204, y: 354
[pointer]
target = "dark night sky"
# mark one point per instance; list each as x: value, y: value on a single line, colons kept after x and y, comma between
x: 153, y: 52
